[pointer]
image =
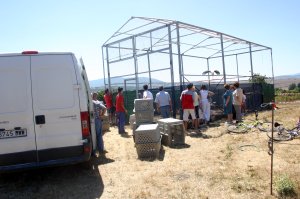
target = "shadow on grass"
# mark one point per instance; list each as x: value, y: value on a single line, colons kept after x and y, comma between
x: 126, y: 135
x: 180, y: 146
x: 75, y: 181
x: 199, y: 135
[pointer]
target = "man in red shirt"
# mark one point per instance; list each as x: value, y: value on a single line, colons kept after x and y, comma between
x: 109, y: 105
x: 187, y: 101
x: 120, y: 110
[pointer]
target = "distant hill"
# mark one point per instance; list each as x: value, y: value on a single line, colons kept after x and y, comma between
x: 283, y: 81
x: 99, y: 83
x: 297, y: 75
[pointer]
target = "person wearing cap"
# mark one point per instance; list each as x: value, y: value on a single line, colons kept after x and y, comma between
x: 163, y: 103
x: 187, y: 102
x: 147, y: 94
x: 99, y: 111
x: 120, y: 111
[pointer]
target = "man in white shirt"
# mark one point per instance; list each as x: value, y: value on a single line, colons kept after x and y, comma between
x: 163, y: 103
x: 237, y: 101
x: 147, y: 94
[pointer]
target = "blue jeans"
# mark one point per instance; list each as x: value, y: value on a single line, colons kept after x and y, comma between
x: 98, y: 125
x: 121, y: 121
x: 165, y: 111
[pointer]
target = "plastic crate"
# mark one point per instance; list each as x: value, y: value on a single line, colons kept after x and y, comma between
x: 143, y: 105
x: 132, y: 120
x: 165, y: 126
x: 144, y: 117
x: 146, y: 133
x: 148, y: 150
x: 172, y: 131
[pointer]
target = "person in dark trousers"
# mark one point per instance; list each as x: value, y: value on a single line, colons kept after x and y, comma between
x: 121, y: 111
x: 227, y: 100
x: 99, y: 111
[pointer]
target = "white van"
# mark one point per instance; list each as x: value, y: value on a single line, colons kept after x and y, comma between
x: 45, y: 111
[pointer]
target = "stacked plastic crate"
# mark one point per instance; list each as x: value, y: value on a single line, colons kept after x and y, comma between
x: 147, y: 141
x: 146, y: 134
x: 172, y: 131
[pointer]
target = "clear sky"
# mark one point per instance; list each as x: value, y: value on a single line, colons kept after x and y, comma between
x: 82, y: 26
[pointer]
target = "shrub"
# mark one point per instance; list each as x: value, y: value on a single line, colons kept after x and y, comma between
x: 292, y: 86
x: 285, y: 186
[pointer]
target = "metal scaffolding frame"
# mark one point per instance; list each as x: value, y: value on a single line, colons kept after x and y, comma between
x: 217, y: 45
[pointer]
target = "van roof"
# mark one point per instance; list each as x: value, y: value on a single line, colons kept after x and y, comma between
x: 35, y: 54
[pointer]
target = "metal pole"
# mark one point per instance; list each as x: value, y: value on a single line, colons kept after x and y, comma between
x: 151, y: 41
x: 237, y: 67
x: 272, y: 150
x: 273, y: 80
x: 208, y: 75
x: 135, y: 67
x: 182, y: 73
x: 180, y: 63
x: 223, y: 59
x: 251, y: 64
x: 108, y: 69
x: 149, y: 69
x: 103, y: 67
x: 172, y: 71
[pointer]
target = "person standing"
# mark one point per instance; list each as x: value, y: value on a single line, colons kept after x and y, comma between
x: 163, y: 103
x: 120, y: 111
x: 204, y: 93
x: 187, y: 102
x: 99, y: 111
x: 244, y: 105
x: 147, y: 94
x: 109, y: 105
x: 227, y: 100
x: 237, y: 101
x: 196, y: 107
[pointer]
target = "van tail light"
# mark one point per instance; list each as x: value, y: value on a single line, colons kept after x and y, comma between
x: 85, y: 124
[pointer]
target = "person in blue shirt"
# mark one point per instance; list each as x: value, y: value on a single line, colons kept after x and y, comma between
x: 227, y: 99
x: 163, y: 103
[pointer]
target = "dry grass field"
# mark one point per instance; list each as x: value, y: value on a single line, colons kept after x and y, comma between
x: 212, y: 164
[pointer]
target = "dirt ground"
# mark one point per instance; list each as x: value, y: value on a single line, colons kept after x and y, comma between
x: 212, y: 164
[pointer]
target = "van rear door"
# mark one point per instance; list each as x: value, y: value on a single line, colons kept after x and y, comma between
x: 56, y: 107
x: 17, y: 135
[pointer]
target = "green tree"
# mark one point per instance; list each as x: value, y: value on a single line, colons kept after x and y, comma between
x: 292, y: 86
x: 100, y: 96
x: 257, y: 78
x: 298, y: 85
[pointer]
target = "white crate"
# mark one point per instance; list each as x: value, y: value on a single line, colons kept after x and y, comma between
x: 149, y: 150
x: 147, y: 133
x: 144, y: 117
x: 164, y: 124
x: 172, y: 131
x: 143, y: 105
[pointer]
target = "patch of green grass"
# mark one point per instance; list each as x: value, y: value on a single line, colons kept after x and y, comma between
x: 285, y: 186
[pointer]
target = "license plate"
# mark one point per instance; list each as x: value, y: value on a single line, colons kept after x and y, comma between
x: 13, y: 133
